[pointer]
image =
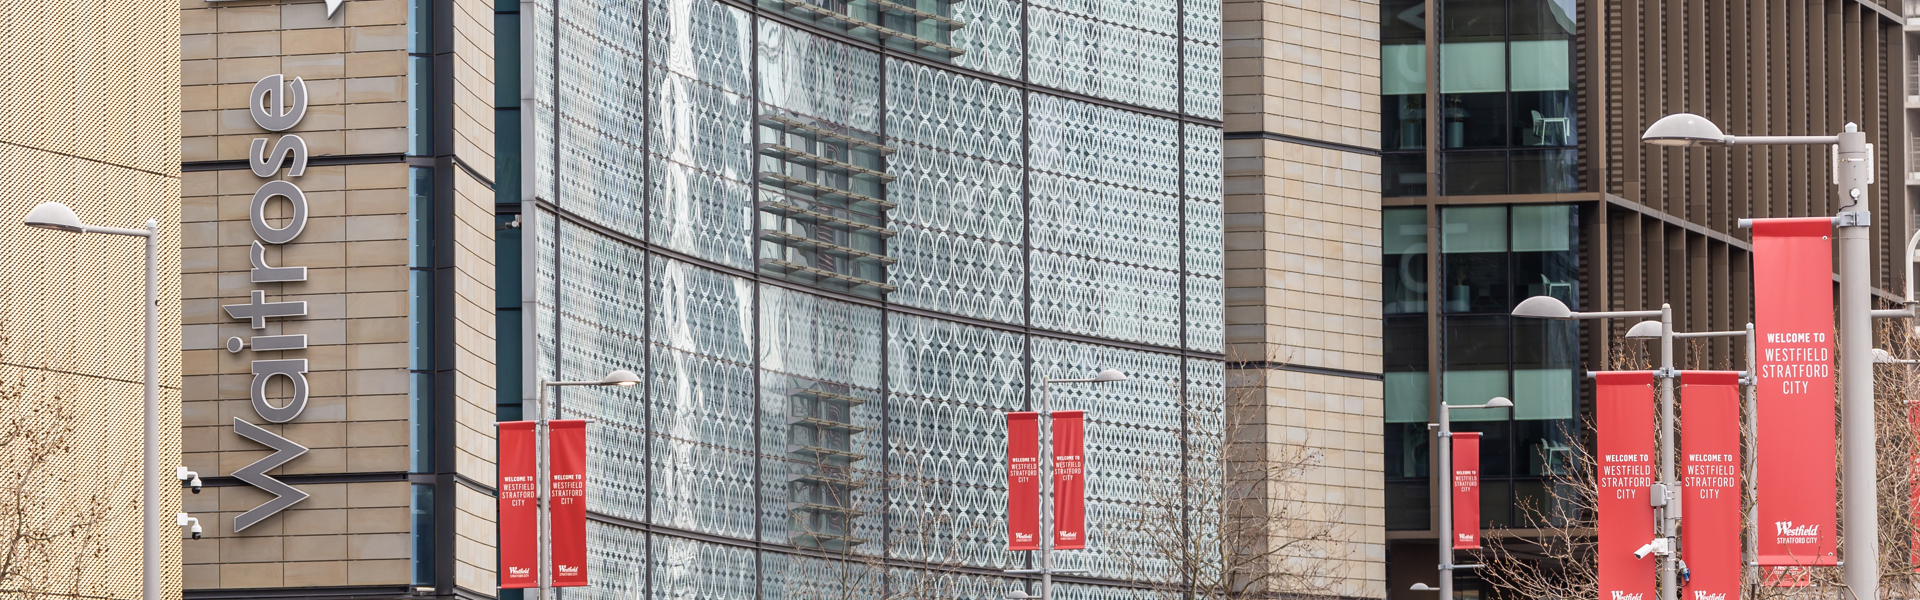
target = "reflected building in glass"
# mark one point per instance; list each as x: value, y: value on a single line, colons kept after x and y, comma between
x: 840, y: 240
x: 1511, y: 167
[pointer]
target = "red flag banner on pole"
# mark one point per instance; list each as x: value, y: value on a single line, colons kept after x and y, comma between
x: 1710, y: 477
x: 568, y: 467
x: 519, y: 508
x: 1023, y: 481
x: 1624, y: 425
x: 1793, y: 319
x: 1466, y: 490
x: 1069, y: 481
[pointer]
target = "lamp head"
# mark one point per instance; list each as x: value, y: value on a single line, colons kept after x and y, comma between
x: 1543, y: 307
x: 1498, y: 402
x: 1644, y: 330
x: 1421, y: 587
x: 622, y: 378
x: 1110, y: 375
x: 1882, y: 357
x: 1684, y: 129
x: 54, y: 215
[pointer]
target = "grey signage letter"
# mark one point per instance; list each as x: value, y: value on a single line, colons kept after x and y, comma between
x: 256, y: 474
x: 263, y: 273
x: 265, y: 164
x: 259, y: 208
x: 295, y: 370
x: 277, y: 116
x: 260, y: 309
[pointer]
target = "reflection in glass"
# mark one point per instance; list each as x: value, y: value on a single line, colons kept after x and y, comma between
x: 1474, y: 259
x: 1546, y: 171
x: 1474, y: 173
x: 1403, y: 241
x: 1403, y: 175
x: 1545, y: 261
x: 1408, y: 503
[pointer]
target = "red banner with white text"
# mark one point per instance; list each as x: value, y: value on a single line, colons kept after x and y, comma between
x: 1466, y: 490
x: 1793, y: 319
x: 1023, y: 481
x: 567, y: 464
x: 1069, y: 481
x: 1710, y: 481
x: 519, y: 507
x: 1624, y: 425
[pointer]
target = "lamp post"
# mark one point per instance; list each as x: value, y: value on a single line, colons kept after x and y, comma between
x: 622, y: 378
x: 59, y: 217
x: 1046, y: 570
x: 1650, y: 330
x: 1853, y: 172
x: 1445, y: 528
x: 1548, y: 307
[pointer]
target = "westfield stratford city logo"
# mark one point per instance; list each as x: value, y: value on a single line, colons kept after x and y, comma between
x: 519, y: 572
x: 1619, y: 595
x: 1787, y: 529
x: 568, y: 570
x: 1700, y: 595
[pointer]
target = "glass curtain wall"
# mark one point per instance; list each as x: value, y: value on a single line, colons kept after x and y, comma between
x: 841, y: 244
x: 1507, y: 111
x: 1491, y: 258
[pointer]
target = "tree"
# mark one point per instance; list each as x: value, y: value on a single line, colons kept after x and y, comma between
x: 1240, y: 521
x: 52, y: 515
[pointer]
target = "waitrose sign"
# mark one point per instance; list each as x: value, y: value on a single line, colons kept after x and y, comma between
x: 276, y: 105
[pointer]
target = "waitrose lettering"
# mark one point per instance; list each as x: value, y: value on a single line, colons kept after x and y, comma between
x: 276, y: 105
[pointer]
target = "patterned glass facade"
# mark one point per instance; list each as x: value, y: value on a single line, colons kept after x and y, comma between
x: 840, y: 240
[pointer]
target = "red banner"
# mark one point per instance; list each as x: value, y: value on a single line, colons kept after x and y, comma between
x: 1069, y: 481
x: 1913, y: 488
x: 1710, y: 477
x: 1624, y: 425
x: 1023, y: 481
x: 1793, y: 317
x: 1466, y: 490
x: 519, y: 508
x: 567, y: 464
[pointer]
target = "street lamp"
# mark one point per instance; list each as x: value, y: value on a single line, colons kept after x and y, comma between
x: 1046, y: 570
x: 1548, y: 307
x: 620, y: 377
x: 1651, y: 329
x: 1445, y: 528
x: 59, y: 217
x: 1853, y: 172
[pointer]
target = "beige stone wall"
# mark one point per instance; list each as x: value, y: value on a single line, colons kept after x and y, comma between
x: 355, y: 251
x: 88, y: 117
x: 1303, y: 254
x: 355, y: 67
x: 1303, y: 68
x: 355, y: 247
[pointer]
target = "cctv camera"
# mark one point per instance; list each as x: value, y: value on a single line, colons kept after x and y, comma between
x: 188, y: 478
x: 1643, y: 551
x: 196, y: 529
x: 191, y: 523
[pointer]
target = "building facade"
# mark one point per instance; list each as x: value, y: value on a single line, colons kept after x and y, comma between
x: 1512, y: 167
x: 96, y: 131
x: 837, y: 240
x: 840, y: 241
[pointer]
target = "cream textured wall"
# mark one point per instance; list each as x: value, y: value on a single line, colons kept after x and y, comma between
x: 89, y: 116
x: 1303, y: 312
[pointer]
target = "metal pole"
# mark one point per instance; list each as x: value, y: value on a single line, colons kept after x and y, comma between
x: 151, y: 581
x: 1046, y: 480
x: 541, y: 493
x: 1670, y: 509
x: 1861, y: 572
x: 1753, y: 515
x: 1445, y: 527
